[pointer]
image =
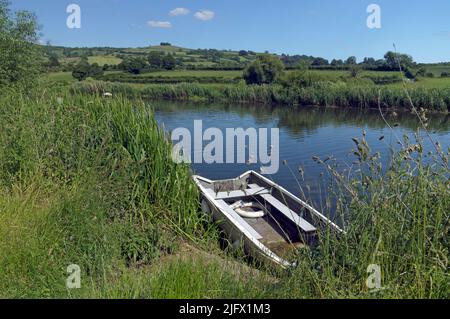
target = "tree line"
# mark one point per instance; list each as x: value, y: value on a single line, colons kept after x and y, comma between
x: 268, y: 68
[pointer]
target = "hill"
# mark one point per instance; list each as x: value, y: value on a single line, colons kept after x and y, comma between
x: 188, y: 58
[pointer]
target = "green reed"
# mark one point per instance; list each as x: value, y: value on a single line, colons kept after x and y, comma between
x: 340, y: 94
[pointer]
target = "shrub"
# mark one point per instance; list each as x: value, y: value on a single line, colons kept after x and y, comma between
x: 266, y: 69
x: 20, y: 58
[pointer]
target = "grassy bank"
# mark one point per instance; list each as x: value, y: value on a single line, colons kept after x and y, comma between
x: 340, y: 94
x: 89, y: 181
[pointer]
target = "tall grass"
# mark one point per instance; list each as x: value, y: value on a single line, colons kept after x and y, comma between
x: 396, y: 217
x: 340, y: 94
x: 87, y: 180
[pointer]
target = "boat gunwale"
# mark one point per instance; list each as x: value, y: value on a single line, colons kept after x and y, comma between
x: 260, y: 246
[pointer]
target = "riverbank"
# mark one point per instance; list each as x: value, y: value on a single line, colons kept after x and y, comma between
x: 88, y: 180
x: 338, y: 94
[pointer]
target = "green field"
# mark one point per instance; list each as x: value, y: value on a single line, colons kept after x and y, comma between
x: 102, y: 60
x: 192, y: 73
x: 437, y: 69
x: 65, y: 76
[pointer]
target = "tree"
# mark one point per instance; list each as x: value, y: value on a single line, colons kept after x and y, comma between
x: 320, y: 62
x: 254, y: 73
x: 133, y: 65
x: 155, y: 59
x: 351, y: 60
x: 421, y: 72
x: 337, y: 63
x: 265, y: 69
x: 243, y: 53
x: 396, y: 60
x: 95, y: 70
x: 81, y: 71
x: 53, y: 62
x: 369, y: 61
x: 20, y: 57
x: 169, y: 62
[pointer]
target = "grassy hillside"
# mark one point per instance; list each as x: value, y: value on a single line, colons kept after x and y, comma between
x: 188, y: 57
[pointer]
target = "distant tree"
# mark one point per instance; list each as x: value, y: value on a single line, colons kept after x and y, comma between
x: 155, y: 59
x: 53, y: 61
x: 165, y: 44
x: 396, y: 60
x: 421, y: 72
x: 320, y: 62
x: 169, y: 62
x: 351, y: 61
x: 95, y: 70
x: 266, y: 69
x: 337, y: 63
x: 408, y: 72
x: 133, y: 65
x: 20, y: 58
x: 369, y: 63
x: 254, y: 73
x: 243, y: 53
x: 81, y: 71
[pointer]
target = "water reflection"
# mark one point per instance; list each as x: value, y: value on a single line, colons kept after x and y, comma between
x: 304, y: 133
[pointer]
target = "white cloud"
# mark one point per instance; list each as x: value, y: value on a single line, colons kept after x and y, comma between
x: 204, y: 15
x: 179, y: 12
x: 160, y: 24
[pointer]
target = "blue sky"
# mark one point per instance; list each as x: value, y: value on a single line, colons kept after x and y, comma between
x: 328, y: 28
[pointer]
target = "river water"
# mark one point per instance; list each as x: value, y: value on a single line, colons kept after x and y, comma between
x: 303, y: 134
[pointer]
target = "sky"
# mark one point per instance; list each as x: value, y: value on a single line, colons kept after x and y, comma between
x: 327, y: 28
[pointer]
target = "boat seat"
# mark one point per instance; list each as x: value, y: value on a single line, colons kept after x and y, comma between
x: 237, y: 194
x: 224, y: 206
x: 290, y: 214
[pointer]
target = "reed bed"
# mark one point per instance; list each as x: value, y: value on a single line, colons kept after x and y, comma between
x: 339, y: 94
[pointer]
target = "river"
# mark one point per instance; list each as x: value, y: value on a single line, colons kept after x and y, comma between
x: 304, y: 133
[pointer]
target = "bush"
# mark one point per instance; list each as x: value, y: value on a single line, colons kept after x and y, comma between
x: 133, y: 65
x: 83, y: 70
x: 266, y: 69
x: 20, y: 58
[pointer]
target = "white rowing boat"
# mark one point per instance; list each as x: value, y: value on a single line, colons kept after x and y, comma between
x: 270, y: 222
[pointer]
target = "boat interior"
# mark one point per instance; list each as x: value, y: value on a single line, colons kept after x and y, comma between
x: 277, y: 220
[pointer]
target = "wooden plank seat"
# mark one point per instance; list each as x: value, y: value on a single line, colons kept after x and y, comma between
x: 303, y: 224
